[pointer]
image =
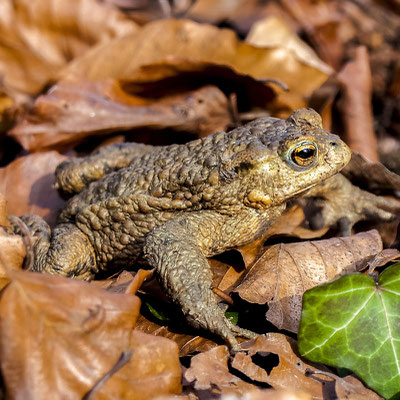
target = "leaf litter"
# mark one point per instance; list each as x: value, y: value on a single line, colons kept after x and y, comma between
x: 74, y: 79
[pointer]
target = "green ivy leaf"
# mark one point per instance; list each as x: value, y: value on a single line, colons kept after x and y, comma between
x: 354, y: 322
x: 233, y: 316
x: 157, y: 311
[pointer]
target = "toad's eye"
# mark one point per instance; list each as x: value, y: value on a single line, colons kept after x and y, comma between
x: 304, y: 155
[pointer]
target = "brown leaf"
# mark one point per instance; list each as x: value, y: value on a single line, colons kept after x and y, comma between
x: 72, y: 111
x: 166, y: 48
x: 285, y: 271
x: 274, y: 32
x: 209, y: 372
x: 290, y: 373
x: 12, y: 253
x: 325, y: 26
x: 39, y: 37
x: 12, y: 247
x: 355, y: 105
x: 187, y: 343
x: 27, y: 185
x: 372, y: 176
x: 3, y: 212
x: 383, y: 258
x: 288, y: 224
x: 61, y: 336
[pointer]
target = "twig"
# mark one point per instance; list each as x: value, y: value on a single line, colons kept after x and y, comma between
x: 123, y: 359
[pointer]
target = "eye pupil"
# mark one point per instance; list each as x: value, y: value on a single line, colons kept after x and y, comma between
x: 304, y: 155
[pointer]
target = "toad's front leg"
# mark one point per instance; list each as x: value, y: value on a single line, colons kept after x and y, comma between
x: 185, y: 274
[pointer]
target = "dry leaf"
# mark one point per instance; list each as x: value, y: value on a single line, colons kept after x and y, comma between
x: 290, y: 372
x: 288, y: 224
x: 323, y: 22
x: 40, y: 37
x: 274, y: 32
x: 209, y: 372
x: 371, y: 176
x: 285, y: 271
x: 166, y: 48
x: 61, y: 336
x: 72, y: 111
x: 187, y: 343
x: 356, y: 107
x: 12, y: 247
x: 27, y: 182
x: 177, y: 329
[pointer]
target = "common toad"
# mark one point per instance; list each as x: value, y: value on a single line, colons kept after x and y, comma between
x: 175, y: 206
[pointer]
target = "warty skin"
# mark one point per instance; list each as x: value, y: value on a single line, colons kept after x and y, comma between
x: 174, y: 206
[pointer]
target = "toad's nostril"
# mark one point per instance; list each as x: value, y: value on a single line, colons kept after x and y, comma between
x: 334, y: 144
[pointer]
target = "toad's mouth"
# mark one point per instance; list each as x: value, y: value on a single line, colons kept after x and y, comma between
x: 299, y: 192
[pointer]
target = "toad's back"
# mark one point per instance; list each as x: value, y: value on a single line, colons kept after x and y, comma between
x: 179, y: 204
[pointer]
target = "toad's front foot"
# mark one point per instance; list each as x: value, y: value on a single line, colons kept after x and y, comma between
x: 185, y: 274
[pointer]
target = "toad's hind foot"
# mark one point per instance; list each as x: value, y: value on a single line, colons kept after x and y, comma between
x: 66, y: 251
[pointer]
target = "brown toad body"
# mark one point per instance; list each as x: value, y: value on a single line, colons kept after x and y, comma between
x: 179, y: 204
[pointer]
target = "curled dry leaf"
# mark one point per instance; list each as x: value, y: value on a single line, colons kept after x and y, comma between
x: 382, y: 258
x: 37, y: 38
x: 61, y: 336
x: 173, y: 327
x: 323, y: 22
x: 370, y: 175
x: 275, y: 32
x: 27, y: 182
x: 285, y: 271
x: 290, y: 373
x: 166, y: 48
x: 187, y: 343
x: 288, y: 224
x: 209, y: 372
x: 355, y: 105
x: 12, y: 248
x: 72, y: 111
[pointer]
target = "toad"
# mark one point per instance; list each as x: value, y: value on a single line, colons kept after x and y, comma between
x: 175, y: 206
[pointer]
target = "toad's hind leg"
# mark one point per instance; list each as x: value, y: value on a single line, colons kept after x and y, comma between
x: 74, y: 174
x: 66, y: 251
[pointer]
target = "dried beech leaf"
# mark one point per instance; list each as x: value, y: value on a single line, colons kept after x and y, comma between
x: 209, y: 371
x: 215, y: 12
x: 12, y: 253
x: 290, y: 373
x: 3, y: 212
x: 323, y: 22
x: 187, y: 343
x: 61, y: 336
x: 166, y: 48
x: 12, y: 247
x: 371, y: 176
x: 274, y: 32
x: 27, y: 183
x: 70, y: 112
x: 285, y: 271
x: 39, y: 37
x: 383, y: 258
x: 288, y: 224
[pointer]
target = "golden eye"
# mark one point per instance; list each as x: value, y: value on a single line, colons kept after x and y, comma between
x: 304, y: 155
